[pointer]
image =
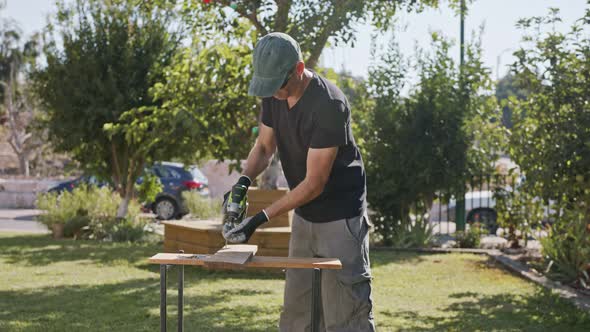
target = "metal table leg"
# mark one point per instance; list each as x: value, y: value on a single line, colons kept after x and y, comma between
x: 180, y: 297
x: 163, y: 297
x: 316, y: 299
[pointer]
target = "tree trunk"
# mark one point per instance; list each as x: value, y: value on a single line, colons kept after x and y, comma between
x: 128, y: 190
x: 124, y: 206
x: 23, y: 162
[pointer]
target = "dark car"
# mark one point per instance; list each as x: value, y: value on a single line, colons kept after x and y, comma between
x: 174, y: 178
x: 71, y: 184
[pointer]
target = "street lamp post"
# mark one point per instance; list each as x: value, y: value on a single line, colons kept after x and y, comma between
x: 460, y: 206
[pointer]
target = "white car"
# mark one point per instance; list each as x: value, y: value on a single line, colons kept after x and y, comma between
x: 479, y: 207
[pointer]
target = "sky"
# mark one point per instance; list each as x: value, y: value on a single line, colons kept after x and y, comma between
x: 499, y: 40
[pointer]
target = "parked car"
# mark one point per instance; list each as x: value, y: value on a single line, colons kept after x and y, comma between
x: 480, y: 206
x: 71, y: 184
x: 175, y: 179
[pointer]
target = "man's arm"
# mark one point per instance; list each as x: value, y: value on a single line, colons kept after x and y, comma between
x: 319, y: 166
x: 260, y: 155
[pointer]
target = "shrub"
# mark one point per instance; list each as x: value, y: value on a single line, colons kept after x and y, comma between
x: 415, y: 234
x: 129, y: 230
x: 567, y: 248
x: 90, y: 213
x: 201, y: 207
x: 149, y: 187
x: 469, y: 238
x: 519, y: 209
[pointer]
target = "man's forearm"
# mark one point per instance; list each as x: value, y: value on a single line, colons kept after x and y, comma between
x: 257, y: 161
x: 305, y: 192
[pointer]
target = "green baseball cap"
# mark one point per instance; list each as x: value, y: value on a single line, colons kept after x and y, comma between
x: 274, y: 56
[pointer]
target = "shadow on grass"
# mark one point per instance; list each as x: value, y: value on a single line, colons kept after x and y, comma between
x: 471, y: 311
x: 132, y: 306
x: 40, y: 250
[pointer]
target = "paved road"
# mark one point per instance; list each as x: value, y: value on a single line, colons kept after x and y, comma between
x: 21, y: 220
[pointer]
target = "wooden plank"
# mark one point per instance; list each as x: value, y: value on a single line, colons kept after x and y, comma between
x: 295, y: 262
x: 284, y: 252
x: 256, y: 261
x: 235, y: 254
x: 174, y: 246
x: 257, y: 195
x: 276, y: 240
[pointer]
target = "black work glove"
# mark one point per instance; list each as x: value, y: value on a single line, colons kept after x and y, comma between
x: 244, y: 230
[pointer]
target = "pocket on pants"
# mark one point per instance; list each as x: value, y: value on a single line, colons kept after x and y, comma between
x: 357, y: 228
x: 356, y: 305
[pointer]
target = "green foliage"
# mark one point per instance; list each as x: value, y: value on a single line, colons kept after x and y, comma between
x: 518, y: 210
x: 550, y: 137
x: 204, y: 93
x: 91, y: 213
x: 149, y: 188
x: 470, y: 238
x: 505, y: 89
x: 567, y: 249
x: 310, y: 22
x: 431, y: 141
x: 129, y: 230
x: 102, y: 58
x: 415, y: 234
x: 201, y: 207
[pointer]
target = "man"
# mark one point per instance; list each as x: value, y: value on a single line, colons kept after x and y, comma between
x: 308, y: 119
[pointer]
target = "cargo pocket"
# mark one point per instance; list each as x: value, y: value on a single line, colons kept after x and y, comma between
x: 356, y: 304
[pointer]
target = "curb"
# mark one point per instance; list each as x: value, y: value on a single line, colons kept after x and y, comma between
x: 578, y: 299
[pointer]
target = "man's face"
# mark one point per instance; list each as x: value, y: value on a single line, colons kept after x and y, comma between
x: 283, y: 92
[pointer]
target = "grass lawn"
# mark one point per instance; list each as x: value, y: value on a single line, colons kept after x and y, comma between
x: 48, y: 285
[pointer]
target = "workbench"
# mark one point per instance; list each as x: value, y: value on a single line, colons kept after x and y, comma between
x: 167, y: 260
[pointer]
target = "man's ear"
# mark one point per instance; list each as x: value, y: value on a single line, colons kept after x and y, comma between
x: 299, y: 68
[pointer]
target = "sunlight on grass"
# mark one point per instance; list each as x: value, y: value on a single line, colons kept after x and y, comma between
x: 65, y: 285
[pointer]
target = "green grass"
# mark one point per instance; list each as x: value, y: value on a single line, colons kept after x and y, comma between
x: 63, y: 285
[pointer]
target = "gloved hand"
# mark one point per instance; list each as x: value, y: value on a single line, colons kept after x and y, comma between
x: 244, y: 230
x: 235, y: 203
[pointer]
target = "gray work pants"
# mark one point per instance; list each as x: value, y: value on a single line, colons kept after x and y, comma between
x: 346, y: 301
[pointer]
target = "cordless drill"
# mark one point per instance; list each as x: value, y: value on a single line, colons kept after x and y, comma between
x: 236, y: 207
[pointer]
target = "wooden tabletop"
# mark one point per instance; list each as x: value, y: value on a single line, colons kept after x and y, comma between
x: 215, y: 226
x: 256, y: 261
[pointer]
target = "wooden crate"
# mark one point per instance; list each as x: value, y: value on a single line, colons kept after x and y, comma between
x: 259, y: 199
x: 204, y: 237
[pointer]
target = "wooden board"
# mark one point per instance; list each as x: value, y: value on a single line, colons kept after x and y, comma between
x: 204, y: 237
x: 233, y: 254
x: 256, y: 261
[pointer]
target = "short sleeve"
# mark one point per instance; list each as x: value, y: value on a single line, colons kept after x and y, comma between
x: 331, y: 126
x: 266, y: 113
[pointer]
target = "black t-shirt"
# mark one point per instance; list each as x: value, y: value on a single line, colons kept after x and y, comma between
x: 320, y: 119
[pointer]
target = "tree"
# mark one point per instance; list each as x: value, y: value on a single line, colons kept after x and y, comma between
x: 311, y: 22
x: 429, y: 142
x: 16, y: 59
x: 550, y: 137
x: 102, y: 59
x: 204, y: 88
x: 505, y: 89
